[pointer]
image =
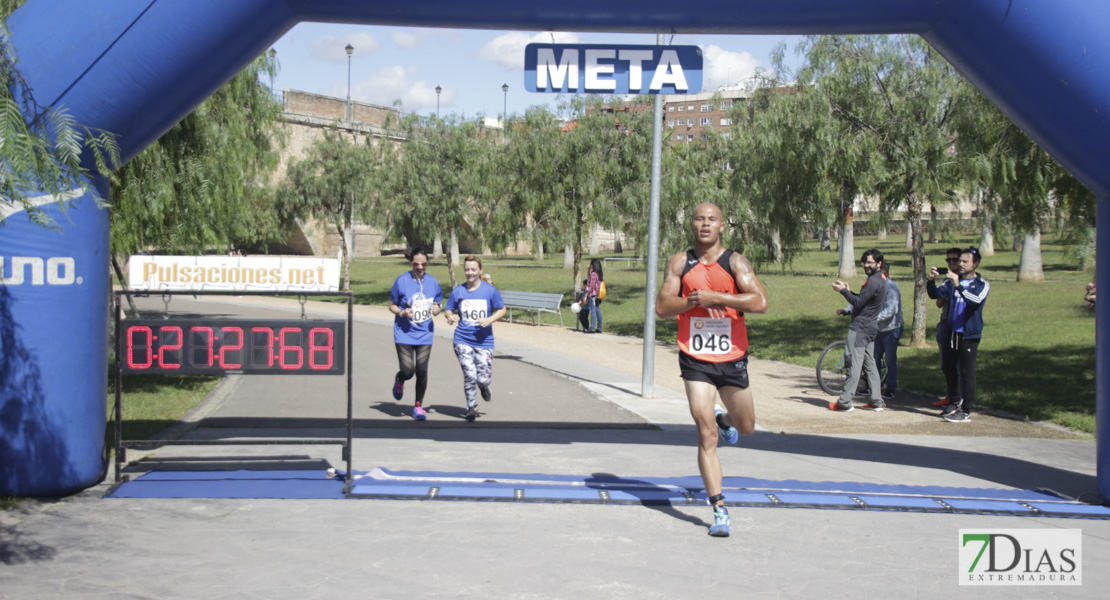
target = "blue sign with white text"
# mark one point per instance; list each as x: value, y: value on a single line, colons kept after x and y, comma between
x: 597, y: 69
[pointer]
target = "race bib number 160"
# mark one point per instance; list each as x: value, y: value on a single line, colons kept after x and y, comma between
x: 710, y: 336
x: 473, y: 310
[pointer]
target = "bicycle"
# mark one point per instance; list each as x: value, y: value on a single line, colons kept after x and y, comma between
x: 833, y: 366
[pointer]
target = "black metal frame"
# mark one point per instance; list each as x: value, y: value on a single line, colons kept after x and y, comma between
x: 121, y: 444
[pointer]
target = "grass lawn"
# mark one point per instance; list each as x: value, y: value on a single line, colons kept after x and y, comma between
x: 152, y: 403
x: 1037, y: 357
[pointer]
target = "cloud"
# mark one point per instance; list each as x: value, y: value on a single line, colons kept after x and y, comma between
x: 724, y: 67
x: 331, y: 48
x: 396, y: 82
x: 409, y: 38
x: 507, y: 49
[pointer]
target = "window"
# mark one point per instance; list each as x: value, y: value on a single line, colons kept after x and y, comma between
x: 689, y: 122
x: 670, y: 123
x: 726, y: 121
x: 706, y: 121
x: 678, y: 137
x: 670, y: 108
x: 704, y: 136
x: 681, y: 108
x: 689, y: 137
x: 726, y: 105
x: 706, y: 108
x: 690, y: 108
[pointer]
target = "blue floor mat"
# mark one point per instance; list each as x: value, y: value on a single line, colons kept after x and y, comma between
x: 381, y: 483
x: 739, y: 491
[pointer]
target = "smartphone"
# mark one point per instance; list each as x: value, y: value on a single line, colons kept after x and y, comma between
x: 942, y: 271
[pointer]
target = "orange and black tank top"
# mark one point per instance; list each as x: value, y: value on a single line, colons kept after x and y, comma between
x: 707, y: 338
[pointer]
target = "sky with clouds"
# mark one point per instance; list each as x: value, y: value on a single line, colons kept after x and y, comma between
x: 391, y: 65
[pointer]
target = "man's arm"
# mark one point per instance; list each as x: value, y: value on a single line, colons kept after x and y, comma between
x: 669, y: 303
x: 752, y: 297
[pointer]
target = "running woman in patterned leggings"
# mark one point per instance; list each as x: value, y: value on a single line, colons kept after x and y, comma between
x: 476, y: 305
x: 414, y: 299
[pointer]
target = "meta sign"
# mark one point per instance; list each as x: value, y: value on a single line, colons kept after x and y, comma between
x: 594, y: 69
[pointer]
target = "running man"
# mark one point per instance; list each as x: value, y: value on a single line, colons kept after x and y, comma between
x: 479, y: 306
x: 709, y: 288
x: 414, y: 299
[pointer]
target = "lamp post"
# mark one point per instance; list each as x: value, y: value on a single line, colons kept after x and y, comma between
x: 505, y: 109
x: 349, y: 50
x: 438, y: 90
x: 272, y: 54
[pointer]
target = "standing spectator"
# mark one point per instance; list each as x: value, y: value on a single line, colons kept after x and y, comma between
x: 862, y: 332
x: 479, y: 306
x: 890, y: 331
x: 952, y: 259
x: 593, y: 289
x: 966, y: 293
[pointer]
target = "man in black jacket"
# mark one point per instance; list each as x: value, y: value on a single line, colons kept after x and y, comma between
x: 862, y: 331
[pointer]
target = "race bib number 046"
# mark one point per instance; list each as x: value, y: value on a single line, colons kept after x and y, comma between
x: 710, y: 336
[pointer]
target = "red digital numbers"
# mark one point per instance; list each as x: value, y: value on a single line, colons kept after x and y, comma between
x: 196, y: 346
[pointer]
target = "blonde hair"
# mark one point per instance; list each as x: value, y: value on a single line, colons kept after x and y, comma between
x: 472, y: 258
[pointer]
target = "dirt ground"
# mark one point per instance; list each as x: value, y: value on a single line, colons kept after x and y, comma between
x: 788, y: 398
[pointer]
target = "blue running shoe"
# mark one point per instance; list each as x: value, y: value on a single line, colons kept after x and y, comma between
x: 720, y: 522
x: 728, y: 434
x: 418, y: 413
x: 398, y: 388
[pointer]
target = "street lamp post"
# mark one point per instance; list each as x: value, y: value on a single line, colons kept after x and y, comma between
x: 505, y: 110
x: 349, y: 50
x: 438, y: 90
x: 272, y: 54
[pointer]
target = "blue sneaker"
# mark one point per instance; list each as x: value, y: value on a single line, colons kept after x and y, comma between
x: 720, y: 522
x: 398, y: 388
x: 418, y: 413
x: 728, y: 434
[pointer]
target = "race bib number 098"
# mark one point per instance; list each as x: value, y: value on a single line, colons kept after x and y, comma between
x: 421, y: 310
x: 710, y: 336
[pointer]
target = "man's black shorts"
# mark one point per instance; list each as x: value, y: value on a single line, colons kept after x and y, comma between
x: 734, y: 374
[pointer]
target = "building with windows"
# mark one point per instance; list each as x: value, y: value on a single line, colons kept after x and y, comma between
x: 689, y: 117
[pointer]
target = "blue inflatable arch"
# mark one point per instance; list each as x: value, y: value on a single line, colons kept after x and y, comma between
x: 136, y: 67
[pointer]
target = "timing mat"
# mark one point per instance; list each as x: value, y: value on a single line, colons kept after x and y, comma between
x: 382, y: 483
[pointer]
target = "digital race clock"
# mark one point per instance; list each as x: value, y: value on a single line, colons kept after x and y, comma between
x: 199, y: 346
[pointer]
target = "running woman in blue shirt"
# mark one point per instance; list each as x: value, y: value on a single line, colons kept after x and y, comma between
x: 478, y: 306
x: 414, y: 299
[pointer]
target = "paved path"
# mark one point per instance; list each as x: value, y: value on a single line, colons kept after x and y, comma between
x: 564, y: 403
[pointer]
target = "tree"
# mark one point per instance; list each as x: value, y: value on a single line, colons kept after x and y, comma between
x: 43, y: 150
x: 329, y: 184
x: 902, y: 95
x: 206, y: 181
x: 439, y: 180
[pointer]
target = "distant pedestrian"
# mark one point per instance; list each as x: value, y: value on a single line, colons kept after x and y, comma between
x: 966, y: 293
x: 862, y: 332
x: 594, y: 281
x: 890, y: 331
x: 478, y: 305
x: 414, y: 300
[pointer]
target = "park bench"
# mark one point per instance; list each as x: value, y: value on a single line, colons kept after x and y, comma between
x: 534, y: 301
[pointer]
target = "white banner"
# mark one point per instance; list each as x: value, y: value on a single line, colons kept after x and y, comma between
x: 234, y: 273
